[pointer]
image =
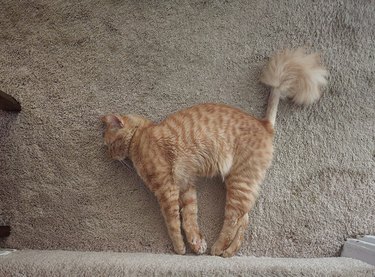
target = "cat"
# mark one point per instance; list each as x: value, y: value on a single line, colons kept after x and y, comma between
x: 209, y: 140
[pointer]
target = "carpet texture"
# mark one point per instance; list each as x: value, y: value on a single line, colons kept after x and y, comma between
x: 69, y: 62
x: 68, y: 263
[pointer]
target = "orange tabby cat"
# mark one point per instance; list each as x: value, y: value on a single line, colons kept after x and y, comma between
x: 209, y: 140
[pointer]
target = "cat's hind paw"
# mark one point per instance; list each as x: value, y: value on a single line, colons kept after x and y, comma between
x: 216, y: 250
x: 231, y: 239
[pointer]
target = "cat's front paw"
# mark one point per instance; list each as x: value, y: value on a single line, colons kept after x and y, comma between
x: 199, y: 246
x: 180, y: 249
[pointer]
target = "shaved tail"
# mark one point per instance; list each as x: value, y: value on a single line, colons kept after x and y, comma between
x: 293, y: 74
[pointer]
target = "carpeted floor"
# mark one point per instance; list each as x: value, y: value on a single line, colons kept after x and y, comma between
x: 69, y: 62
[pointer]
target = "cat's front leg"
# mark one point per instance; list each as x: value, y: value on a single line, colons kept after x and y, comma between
x: 189, y: 212
x: 168, y: 195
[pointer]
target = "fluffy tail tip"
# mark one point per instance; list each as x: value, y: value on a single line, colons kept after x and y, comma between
x: 296, y: 75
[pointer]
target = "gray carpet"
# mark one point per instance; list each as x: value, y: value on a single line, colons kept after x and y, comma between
x: 69, y: 62
x: 67, y: 263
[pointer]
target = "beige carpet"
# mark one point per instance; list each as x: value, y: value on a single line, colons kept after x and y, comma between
x: 68, y: 62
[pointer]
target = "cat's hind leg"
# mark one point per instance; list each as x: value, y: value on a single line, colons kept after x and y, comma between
x: 189, y: 213
x: 238, y: 238
x: 242, y: 191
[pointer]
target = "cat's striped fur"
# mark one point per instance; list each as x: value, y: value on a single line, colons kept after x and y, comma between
x: 209, y: 140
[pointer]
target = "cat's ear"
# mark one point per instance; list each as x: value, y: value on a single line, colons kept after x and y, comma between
x: 115, y: 121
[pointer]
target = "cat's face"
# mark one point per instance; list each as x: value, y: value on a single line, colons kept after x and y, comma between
x: 118, y: 134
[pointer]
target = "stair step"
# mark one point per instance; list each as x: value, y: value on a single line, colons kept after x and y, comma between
x: 74, y: 263
x: 362, y: 249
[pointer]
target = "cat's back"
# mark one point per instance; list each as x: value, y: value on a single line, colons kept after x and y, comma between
x: 205, y: 114
x: 205, y: 110
x: 211, y: 121
x: 211, y: 115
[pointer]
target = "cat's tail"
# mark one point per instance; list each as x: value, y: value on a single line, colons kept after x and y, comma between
x: 293, y: 74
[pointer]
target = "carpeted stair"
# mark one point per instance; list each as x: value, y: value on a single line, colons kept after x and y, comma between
x: 68, y: 263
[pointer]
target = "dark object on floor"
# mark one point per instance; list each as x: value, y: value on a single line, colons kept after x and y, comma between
x: 8, y: 103
x: 4, y: 231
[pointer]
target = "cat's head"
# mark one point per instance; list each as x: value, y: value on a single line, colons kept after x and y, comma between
x: 119, y: 133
